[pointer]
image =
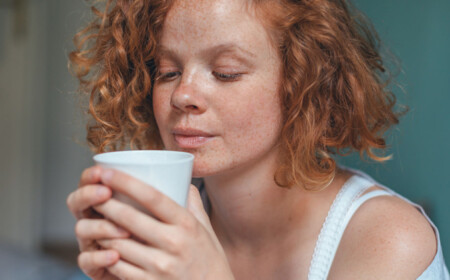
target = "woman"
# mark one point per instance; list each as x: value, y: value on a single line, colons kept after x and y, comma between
x: 262, y: 93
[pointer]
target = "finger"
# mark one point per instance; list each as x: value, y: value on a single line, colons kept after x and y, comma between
x: 138, y: 254
x: 90, y: 176
x: 99, y: 229
x: 124, y: 270
x: 88, y: 245
x: 160, y: 205
x: 94, y: 263
x: 195, y: 206
x: 85, y: 197
x: 137, y: 223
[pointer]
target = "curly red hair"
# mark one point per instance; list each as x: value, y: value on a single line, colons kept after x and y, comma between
x: 334, y: 92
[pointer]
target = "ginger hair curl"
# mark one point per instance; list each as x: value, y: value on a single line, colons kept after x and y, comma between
x: 334, y: 93
x: 113, y: 62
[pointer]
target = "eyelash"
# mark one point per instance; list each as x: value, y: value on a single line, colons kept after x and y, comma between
x: 169, y: 76
x: 227, y: 77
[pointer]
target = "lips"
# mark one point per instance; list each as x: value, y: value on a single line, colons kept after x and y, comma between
x: 190, y: 138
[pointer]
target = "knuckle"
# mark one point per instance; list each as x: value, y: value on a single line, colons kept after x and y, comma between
x: 165, y: 266
x: 89, y: 175
x: 174, y: 243
x: 188, y: 224
x: 177, y: 242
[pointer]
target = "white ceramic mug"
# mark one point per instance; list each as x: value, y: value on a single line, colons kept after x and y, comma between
x: 170, y: 172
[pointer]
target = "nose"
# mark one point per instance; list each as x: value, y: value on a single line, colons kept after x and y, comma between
x: 188, y: 98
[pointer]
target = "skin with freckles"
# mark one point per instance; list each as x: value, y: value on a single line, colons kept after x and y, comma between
x: 216, y: 96
x: 226, y: 85
x: 220, y: 82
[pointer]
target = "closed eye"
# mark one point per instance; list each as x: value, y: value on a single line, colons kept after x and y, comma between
x: 168, y: 76
x: 227, y: 77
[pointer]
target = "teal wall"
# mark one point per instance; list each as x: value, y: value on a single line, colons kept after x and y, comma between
x: 418, y: 33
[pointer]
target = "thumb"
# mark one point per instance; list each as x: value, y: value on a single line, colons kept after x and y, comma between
x: 195, y: 206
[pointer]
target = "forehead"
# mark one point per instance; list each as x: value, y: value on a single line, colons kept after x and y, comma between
x: 207, y: 22
x: 205, y: 10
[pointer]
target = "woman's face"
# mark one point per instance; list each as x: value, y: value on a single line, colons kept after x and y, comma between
x: 217, y: 94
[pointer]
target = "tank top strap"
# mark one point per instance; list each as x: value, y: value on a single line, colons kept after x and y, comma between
x: 359, y: 201
x: 347, y: 201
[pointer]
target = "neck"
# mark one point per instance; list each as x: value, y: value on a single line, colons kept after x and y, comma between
x: 248, y: 208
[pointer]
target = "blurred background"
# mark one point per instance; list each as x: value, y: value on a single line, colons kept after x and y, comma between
x: 42, y: 149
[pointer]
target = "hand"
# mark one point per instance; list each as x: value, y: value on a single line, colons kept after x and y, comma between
x: 92, y: 226
x: 174, y: 243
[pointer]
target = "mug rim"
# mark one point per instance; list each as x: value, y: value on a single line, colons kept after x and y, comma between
x: 109, y: 157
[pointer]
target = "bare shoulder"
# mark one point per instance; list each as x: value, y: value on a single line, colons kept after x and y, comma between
x: 387, y: 238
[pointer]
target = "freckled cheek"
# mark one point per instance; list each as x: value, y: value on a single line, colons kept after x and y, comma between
x: 161, y: 110
x: 254, y: 122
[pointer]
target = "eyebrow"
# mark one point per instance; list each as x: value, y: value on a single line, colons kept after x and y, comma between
x: 212, y: 51
x: 230, y: 47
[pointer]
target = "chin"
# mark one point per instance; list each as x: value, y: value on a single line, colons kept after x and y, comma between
x: 204, y: 168
x: 201, y: 170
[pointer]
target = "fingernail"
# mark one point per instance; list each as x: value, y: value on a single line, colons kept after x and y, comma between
x: 107, y: 175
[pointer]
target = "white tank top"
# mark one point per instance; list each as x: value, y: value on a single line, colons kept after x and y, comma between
x: 347, y: 201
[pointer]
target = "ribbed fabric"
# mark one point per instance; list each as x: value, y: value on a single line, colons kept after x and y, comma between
x: 333, y: 228
x: 346, y: 203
